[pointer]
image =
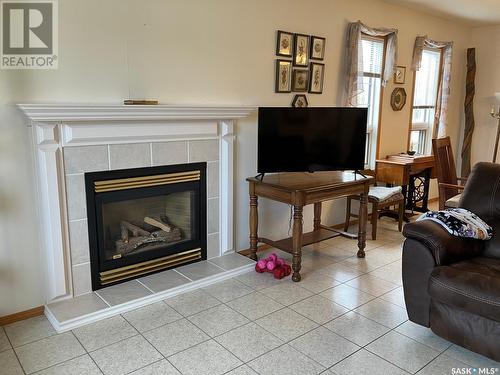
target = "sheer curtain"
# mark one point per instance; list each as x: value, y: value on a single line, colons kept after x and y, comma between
x: 443, y: 94
x: 354, y: 58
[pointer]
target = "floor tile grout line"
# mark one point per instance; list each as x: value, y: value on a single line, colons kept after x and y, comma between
x: 101, y: 297
x: 387, y: 360
x: 149, y: 364
x: 58, y: 363
x: 412, y: 338
x: 15, y: 354
x: 145, y: 286
x: 175, y: 269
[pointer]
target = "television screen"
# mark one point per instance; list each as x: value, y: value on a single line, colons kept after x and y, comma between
x: 311, y: 139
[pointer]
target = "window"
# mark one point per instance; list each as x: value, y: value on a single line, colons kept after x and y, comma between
x: 424, y: 101
x: 373, y: 61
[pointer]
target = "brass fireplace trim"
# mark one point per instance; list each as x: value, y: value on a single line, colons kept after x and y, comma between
x: 145, y: 181
x: 118, y: 274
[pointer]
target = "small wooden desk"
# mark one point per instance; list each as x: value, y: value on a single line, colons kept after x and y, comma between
x: 299, y: 190
x: 402, y: 170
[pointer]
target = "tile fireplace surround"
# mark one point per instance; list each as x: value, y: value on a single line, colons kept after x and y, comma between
x: 70, y: 140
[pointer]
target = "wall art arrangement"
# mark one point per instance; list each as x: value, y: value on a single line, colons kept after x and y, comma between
x: 295, y: 70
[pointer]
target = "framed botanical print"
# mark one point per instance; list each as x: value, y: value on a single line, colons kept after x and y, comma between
x: 283, y: 76
x: 399, y: 75
x: 301, y: 50
x: 316, y: 80
x: 300, y: 79
x: 317, y: 48
x: 284, y: 44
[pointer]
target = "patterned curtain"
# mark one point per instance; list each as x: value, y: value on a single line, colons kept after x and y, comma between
x: 443, y: 95
x: 354, y: 58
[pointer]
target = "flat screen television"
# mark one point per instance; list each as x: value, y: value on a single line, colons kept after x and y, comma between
x: 311, y: 139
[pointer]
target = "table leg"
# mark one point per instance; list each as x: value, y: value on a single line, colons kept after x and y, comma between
x: 427, y: 176
x: 254, y: 223
x: 362, y: 224
x: 317, y: 216
x: 297, y: 242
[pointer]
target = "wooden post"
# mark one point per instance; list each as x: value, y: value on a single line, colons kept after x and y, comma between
x: 297, y: 242
x: 317, y: 216
x: 254, y: 222
x: 469, y: 111
x: 363, y: 213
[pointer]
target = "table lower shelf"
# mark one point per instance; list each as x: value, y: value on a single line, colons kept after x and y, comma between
x: 308, y: 238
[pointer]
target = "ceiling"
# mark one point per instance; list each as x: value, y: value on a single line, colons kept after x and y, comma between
x: 472, y: 12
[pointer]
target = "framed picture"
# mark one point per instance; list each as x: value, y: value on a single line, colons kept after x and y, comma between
x: 300, y: 79
x: 400, y: 75
x: 283, y: 76
x: 301, y: 50
x: 316, y: 80
x: 284, y: 44
x: 299, y: 101
x: 398, y: 99
x: 317, y: 48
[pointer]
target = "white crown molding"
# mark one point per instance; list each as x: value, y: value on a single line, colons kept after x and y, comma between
x: 105, y: 112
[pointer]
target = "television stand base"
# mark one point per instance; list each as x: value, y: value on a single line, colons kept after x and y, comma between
x: 357, y: 171
x: 260, y: 176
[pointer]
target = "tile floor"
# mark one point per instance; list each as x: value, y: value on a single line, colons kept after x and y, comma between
x: 347, y: 316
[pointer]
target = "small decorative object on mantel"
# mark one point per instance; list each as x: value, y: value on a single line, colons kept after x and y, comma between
x: 300, y: 80
x: 300, y: 101
x: 284, y: 44
x: 301, y: 50
x: 317, y: 48
x: 316, y: 80
x: 398, y: 98
x: 400, y: 75
x: 283, y: 76
x: 140, y: 102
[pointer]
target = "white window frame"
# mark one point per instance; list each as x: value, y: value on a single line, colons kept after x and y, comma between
x: 424, y: 128
x: 372, y: 133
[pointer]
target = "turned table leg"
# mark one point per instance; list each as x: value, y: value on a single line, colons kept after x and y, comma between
x: 363, y: 199
x: 297, y: 242
x: 317, y: 216
x: 254, y: 223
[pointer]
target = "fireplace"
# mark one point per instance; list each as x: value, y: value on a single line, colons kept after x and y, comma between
x: 145, y: 220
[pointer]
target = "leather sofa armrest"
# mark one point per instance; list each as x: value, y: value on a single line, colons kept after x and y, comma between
x: 445, y: 248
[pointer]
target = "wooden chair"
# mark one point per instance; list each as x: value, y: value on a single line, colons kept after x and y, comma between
x: 449, y: 189
x: 376, y: 198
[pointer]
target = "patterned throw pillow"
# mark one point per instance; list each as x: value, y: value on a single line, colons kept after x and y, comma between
x: 460, y: 222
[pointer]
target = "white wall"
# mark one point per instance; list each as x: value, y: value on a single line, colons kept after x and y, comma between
x: 486, y: 40
x: 185, y: 52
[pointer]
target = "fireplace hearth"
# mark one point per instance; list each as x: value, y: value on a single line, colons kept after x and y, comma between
x: 145, y: 220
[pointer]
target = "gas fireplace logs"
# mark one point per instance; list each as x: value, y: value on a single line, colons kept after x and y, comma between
x: 141, y: 237
x: 159, y: 222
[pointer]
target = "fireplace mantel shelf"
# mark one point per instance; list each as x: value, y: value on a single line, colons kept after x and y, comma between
x: 105, y: 112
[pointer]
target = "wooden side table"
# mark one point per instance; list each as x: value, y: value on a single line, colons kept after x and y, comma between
x: 299, y: 190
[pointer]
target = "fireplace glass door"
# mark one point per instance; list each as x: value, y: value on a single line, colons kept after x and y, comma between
x: 142, y: 222
x: 139, y: 225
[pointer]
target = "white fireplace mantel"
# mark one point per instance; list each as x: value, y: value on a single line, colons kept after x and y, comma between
x: 59, y: 126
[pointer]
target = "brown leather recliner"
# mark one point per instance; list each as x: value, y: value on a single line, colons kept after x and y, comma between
x: 452, y: 284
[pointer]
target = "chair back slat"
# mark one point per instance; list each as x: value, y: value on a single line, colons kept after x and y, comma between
x: 445, y: 164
